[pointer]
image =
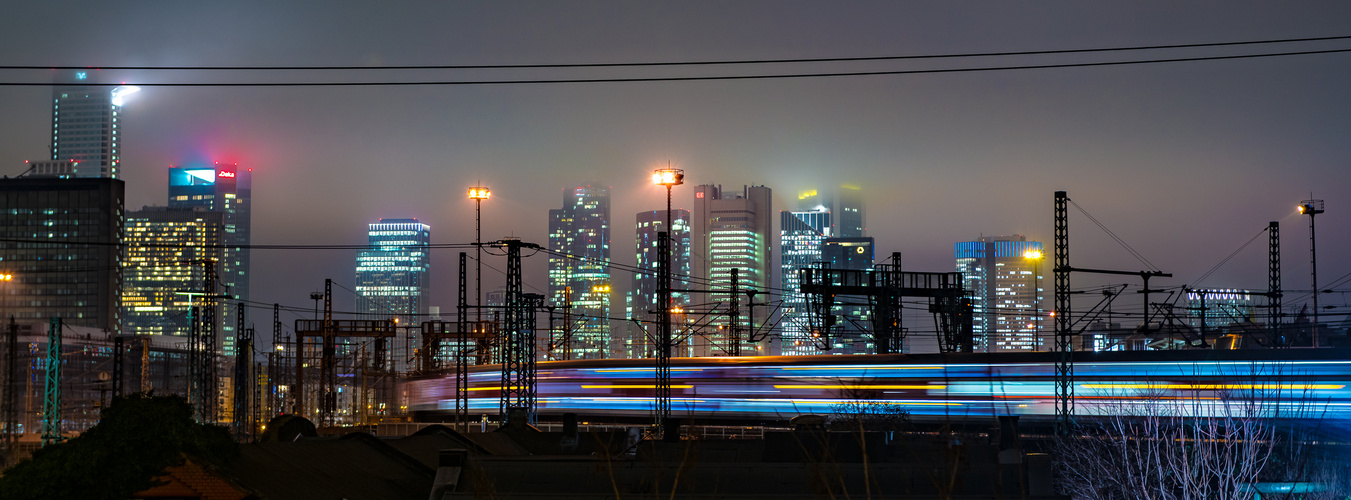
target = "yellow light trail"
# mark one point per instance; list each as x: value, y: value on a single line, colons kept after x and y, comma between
x: 648, y: 386
x: 880, y: 387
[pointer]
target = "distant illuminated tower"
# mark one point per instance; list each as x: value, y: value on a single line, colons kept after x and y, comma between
x: 800, y: 240
x: 845, y: 205
x: 1005, y: 291
x: 644, y: 305
x: 392, y: 277
x: 86, y: 123
x: 162, y: 246
x: 226, y: 189
x: 579, y: 268
x: 731, y: 230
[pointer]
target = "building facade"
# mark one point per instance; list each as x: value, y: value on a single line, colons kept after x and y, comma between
x: 853, y: 313
x: 60, y: 239
x: 1213, y: 308
x: 165, y: 251
x: 1003, y: 275
x: 86, y: 123
x: 731, y: 230
x: 800, y: 237
x: 393, y: 275
x: 227, y: 189
x: 642, y: 303
x: 845, y: 204
x: 579, y: 272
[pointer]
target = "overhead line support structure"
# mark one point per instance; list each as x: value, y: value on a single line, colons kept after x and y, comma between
x: 1064, y: 335
x: 51, y: 400
x: 1275, y: 337
x: 884, y: 287
x: 328, y: 330
x: 518, y: 364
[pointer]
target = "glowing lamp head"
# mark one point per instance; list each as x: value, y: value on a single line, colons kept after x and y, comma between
x: 6, y: 277
x: 479, y: 193
x: 1032, y: 254
x: 668, y: 177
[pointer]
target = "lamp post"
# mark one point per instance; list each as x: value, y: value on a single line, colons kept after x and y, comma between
x: 669, y: 177
x: 1312, y: 208
x: 478, y: 194
x: 11, y: 359
x: 1035, y: 256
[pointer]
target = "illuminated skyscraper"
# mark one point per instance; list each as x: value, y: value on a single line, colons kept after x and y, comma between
x: 579, y: 268
x: 226, y: 189
x: 392, y: 277
x: 845, y: 205
x: 86, y: 123
x: 643, y: 305
x: 72, y: 268
x: 731, y: 230
x: 164, y: 247
x: 1006, y: 287
x: 800, y: 238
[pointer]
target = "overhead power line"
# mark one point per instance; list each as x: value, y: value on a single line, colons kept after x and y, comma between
x: 960, y: 55
x: 701, y: 77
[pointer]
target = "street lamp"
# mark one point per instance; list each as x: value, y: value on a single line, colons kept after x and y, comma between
x: 1312, y: 208
x: 478, y: 194
x: 669, y: 177
x: 1035, y: 256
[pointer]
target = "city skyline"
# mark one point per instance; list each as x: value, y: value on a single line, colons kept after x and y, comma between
x: 1185, y: 161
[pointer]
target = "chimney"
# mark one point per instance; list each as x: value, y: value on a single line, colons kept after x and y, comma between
x: 449, y: 464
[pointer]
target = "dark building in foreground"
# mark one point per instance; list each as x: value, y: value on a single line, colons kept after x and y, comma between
x: 60, y: 240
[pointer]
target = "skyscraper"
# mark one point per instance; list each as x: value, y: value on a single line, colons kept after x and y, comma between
x: 800, y: 238
x: 731, y: 230
x: 60, y: 239
x: 853, y: 321
x: 1005, y: 283
x: 392, y: 277
x: 845, y: 205
x: 644, y: 305
x: 164, y: 249
x: 579, y: 269
x: 226, y: 189
x: 86, y: 123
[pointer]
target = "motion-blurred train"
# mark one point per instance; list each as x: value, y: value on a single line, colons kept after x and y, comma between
x: 1274, y: 383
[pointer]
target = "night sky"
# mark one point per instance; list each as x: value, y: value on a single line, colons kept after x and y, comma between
x: 1184, y: 161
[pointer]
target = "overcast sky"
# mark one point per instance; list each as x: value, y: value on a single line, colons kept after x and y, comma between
x: 1184, y: 161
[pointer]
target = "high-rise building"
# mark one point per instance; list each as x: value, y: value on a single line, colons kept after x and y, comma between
x: 226, y: 189
x: 86, y: 123
x: 731, y: 230
x: 165, y: 249
x: 853, y: 320
x: 643, y: 298
x: 800, y: 238
x: 60, y: 239
x: 1005, y: 283
x: 392, y: 276
x: 579, y: 270
x: 845, y: 205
